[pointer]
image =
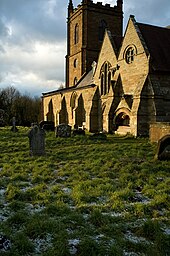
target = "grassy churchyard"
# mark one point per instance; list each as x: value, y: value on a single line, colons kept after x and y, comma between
x: 85, y: 197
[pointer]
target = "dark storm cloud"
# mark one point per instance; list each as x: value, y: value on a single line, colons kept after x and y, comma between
x: 33, y: 38
x: 31, y: 20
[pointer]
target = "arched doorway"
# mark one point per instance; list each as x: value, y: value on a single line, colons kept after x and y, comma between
x: 122, y: 121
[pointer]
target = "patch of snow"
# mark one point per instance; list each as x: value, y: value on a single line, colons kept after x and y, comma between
x: 113, y: 214
x: 73, y: 243
x: 134, y: 239
x: 167, y: 231
x: 63, y: 178
x: 55, y: 171
x: 41, y: 244
x: 26, y: 187
x: 69, y: 231
x: 139, y: 198
x: 85, y: 216
x: 129, y: 253
x: 2, y: 191
x: 35, y: 208
x: 98, y: 237
x: 66, y: 190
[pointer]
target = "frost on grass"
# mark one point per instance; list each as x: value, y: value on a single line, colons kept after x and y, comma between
x: 73, y: 243
x: 66, y: 190
x: 113, y: 214
x: 135, y: 239
x: 139, y: 198
x: 35, y: 208
x: 167, y: 231
x: 42, y: 244
x: 4, y: 213
x: 2, y: 192
x: 130, y: 253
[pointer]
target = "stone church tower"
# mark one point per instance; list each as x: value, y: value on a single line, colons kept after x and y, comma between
x: 85, y: 31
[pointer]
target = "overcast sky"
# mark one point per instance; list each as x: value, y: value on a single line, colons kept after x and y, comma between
x: 33, y: 39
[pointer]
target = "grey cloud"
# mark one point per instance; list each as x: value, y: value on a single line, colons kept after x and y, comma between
x: 32, y: 21
x: 23, y: 23
x: 4, y: 31
x: 154, y: 12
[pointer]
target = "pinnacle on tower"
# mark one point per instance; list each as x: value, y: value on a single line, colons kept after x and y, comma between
x: 119, y: 3
x: 70, y: 7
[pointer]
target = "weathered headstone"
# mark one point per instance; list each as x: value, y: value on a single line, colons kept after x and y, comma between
x: 14, y: 128
x: 163, y: 149
x: 37, y: 141
x: 63, y: 130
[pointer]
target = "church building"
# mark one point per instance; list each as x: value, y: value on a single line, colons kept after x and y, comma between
x: 115, y: 83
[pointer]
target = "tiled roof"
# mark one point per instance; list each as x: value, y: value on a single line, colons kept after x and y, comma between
x: 87, y: 79
x: 157, y: 40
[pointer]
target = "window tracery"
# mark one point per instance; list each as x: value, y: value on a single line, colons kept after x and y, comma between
x: 130, y: 53
x: 105, y: 78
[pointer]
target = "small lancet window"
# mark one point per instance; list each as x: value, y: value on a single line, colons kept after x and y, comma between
x: 76, y: 34
x: 75, y: 80
x: 105, y: 78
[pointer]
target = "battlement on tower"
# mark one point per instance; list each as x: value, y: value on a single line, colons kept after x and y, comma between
x: 98, y: 6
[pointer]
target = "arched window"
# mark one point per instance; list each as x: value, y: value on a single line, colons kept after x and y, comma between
x: 130, y: 53
x: 102, y: 28
x: 105, y: 78
x: 75, y: 63
x: 76, y: 34
x: 75, y: 80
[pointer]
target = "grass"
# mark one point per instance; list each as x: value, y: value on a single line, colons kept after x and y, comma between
x: 86, y: 196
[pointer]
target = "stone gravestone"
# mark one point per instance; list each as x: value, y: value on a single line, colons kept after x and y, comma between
x: 63, y: 130
x: 163, y: 149
x: 37, y: 141
x: 14, y: 128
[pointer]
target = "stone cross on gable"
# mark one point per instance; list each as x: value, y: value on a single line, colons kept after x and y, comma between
x: 94, y: 65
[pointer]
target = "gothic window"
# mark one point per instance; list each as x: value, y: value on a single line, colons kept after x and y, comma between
x: 130, y: 54
x: 102, y: 28
x: 105, y: 78
x: 76, y: 34
x: 75, y: 80
x: 75, y: 63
